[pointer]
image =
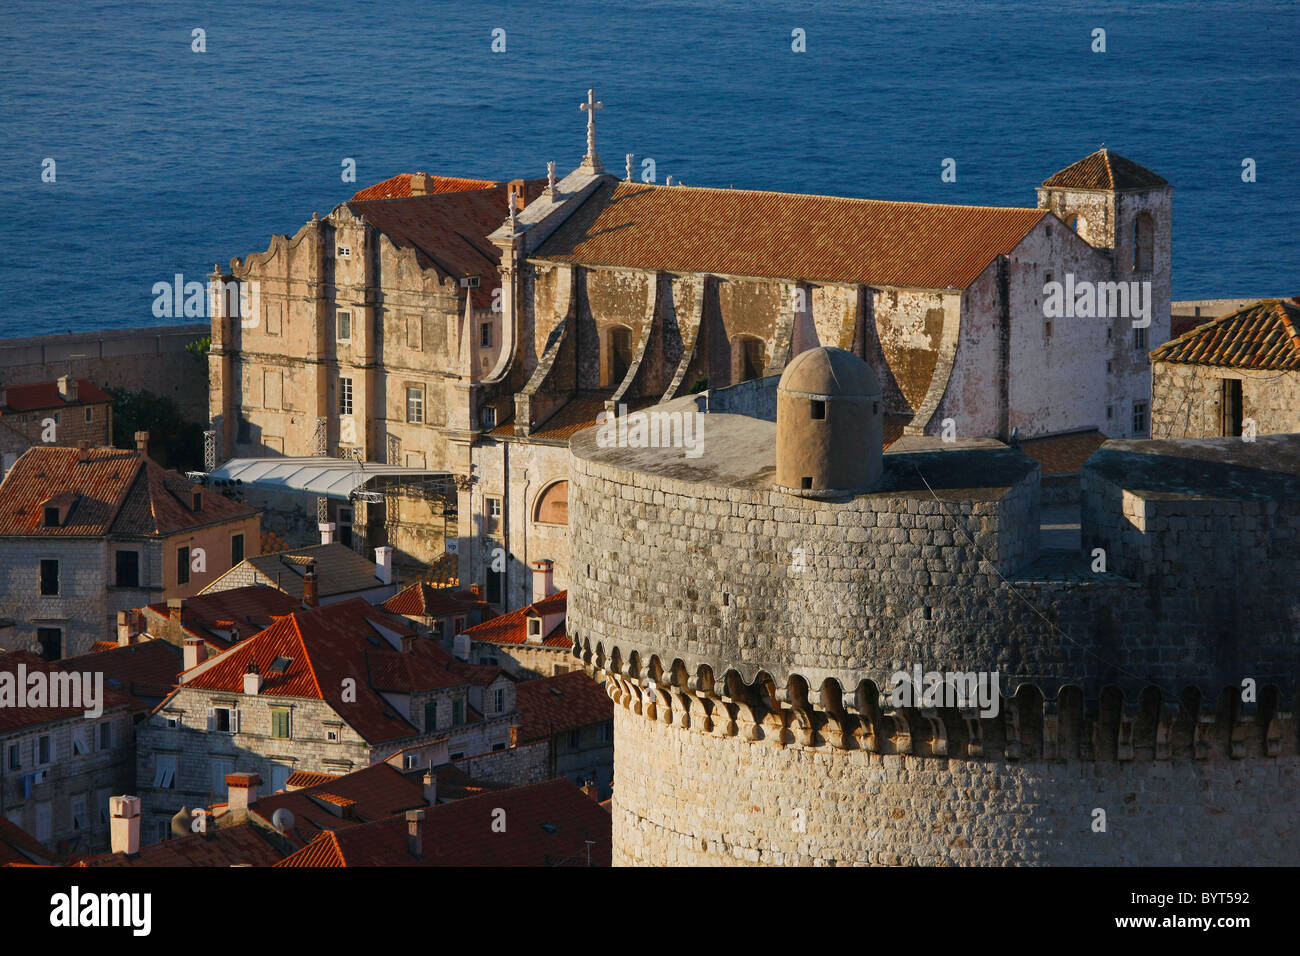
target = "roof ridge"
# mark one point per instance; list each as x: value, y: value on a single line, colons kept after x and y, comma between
x: 856, y: 199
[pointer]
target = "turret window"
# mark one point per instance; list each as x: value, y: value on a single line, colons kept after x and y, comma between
x: 817, y: 409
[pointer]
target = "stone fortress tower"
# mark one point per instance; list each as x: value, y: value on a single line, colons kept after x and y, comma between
x: 751, y: 624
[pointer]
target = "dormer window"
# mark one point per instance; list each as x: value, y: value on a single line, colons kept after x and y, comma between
x: 196, y: 499
x: 54, y: 511
x: 534, y: 627
x: 51, y: 517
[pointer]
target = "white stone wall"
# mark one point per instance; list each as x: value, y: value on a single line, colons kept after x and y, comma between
x: 1187, y: 400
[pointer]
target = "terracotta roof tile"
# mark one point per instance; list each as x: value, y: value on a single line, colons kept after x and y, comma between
x: 789, y: 236
x: 554, y: 705
x: 399, y: 186
x: 512, y: 627
x: 220, y: 846
x: 421, y: 599
x: 1265, y: 335
x: 1063, y: 454
x: 550, y: 825
x: 21, y: 664
x: 34, y: 396
x: 17, y: 846
x: 147, y: 669
x: 250, y: 609
x: 1105, y: 170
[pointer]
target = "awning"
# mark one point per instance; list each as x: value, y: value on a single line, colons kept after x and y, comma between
x: 330, y: 477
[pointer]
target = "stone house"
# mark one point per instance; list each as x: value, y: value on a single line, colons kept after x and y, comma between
x: 340, y: 573
x: 575, y: 715
x: 1237, y: 375
x: 87, y: 532
x: 529, y: 641
x: 62, y: 763
x: 64, y: 411
x: 439, y: 613
x: 328, y: 690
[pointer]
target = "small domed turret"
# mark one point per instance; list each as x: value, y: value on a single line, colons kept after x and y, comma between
x: 829, y: 425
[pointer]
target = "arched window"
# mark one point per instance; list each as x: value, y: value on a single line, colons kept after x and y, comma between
x: 1143, y: 243
x: 552, y: 506
x: 618, y: 356
x: 747, y: 358
x: 1077, y: 221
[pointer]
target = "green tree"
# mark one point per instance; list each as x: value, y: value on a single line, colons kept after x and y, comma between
x: 174, y: 442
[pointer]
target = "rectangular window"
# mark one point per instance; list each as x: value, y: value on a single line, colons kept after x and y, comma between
x: 127, y: 569
x: 485, y: 335
x: 1231, y: 405
x: 1139, y: 339
x: 493, y: 523
x: 44, y: 749
x: 575, y: 739
x: 534, y: 627
x: 51, y: 641
x: 273, y: 316
x: 80, y: 741
x: 1139, y: 418
x: 219, y: 721
x: 183, y: 565
x: 414, y: 333
x: 15, y: 757
x: 280, y: 722
x: 499, y: 701
x: 101, y: 803
x: 236, y: 549
x: 106, y: 736
x: 164, y: 772
x: 273, y: 389
x: 50, y: 577
x: 90, y: 414
x: 43, y: 833
x: 345, y: 326
x: 816, y: 409
x: 345, y: 396
x: 415, y: 405
x: 80, y: 818
x: 1047, y: 329
x: 220, y: 768
x: 458, y: 711
x: 494, y: 585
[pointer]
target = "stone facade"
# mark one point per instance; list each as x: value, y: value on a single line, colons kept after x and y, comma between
x: 1187, y: 400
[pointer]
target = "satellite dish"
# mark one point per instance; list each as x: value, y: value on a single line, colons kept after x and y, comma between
x: 282, y: 820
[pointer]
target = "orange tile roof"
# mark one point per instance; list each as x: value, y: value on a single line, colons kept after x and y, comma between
x: 146, y: 669
x: 422, y: 599
x: 447, y: 230
x: 33, y: 396
x: 399, y: 186
x: 250, y: 608
x: 1105, y: 170
x: 1260, y: 336
x: 550, y: 824
x: 20, y: 663
x: 301, y: 779
x: 20, y: 847
x: 788, y: 236
x: 373, y: 793
x: 220, y: 846
x: 512, y: 627
x: 555, y: 705
x: 1063, y: 454
x: 117, y: 491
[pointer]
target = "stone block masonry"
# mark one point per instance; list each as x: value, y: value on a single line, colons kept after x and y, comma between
x: 134, y: 359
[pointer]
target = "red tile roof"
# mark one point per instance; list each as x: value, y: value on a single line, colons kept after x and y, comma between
x: 22, y: 665
x: 399, y: 186
x: 512, y: 627
x: 422, y: 599
x: 448, y: 230
x: 1261, y: 336
x: 147, y: 669
x: 116, y: 491
x: 301, y: 779
x: 34, y: 396
x: 1105, y: 170
x: 250, y: 608
x: 788, y: 236
x: 326, y: 645
x: 549, y: 824
x: 554, y: 705
x: 20, y: 847
x: 220, y: 846
x: 1063, y: 454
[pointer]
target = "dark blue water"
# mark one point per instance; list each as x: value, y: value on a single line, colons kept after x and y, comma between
x: 170, y: 160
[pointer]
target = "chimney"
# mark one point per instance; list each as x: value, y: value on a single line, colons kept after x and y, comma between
x: 196, y: 652
x: 142, y: 443
x: 460, y: 647
x: 543, y: 579
x: 419, y: 184
x: 408, y: 643
x: 384, y: 564
x: 414, y: 838
x: 83, y: 450
x: 241, y: 789
x: 252, y: 679
x: 124, y: 825
x: 176, y: 609
x: 430, y: 788
x: 477, y: 591
x: 127, y: 627
x: 326, y: 532
x: 591, y: 790
x: 67, y: 388
x: 310, y: 589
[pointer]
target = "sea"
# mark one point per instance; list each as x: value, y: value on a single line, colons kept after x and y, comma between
x: 139, y: 141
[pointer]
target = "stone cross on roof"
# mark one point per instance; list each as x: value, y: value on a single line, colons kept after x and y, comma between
x: 550, y: 177
x: 591, y: 160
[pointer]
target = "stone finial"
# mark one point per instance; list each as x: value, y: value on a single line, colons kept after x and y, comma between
x: 629, y: 167
x: 591, y: 161
x: 668, y: 181
x: 550, y: 177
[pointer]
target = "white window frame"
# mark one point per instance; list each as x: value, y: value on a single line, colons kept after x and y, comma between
x: 415, y: 404
x: 345, y: 395
x: 339, y: 318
